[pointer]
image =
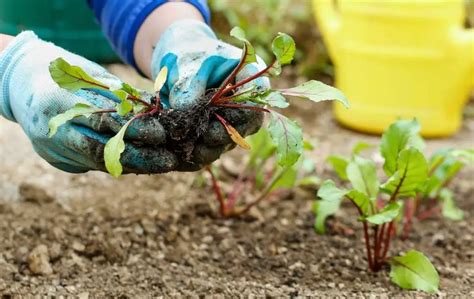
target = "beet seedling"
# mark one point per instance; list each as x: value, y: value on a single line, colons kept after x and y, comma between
x: 380, y: 205
x: 261, y: 175
x: 285, y: 133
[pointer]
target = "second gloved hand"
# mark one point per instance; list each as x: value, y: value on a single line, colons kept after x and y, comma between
x: 30, y: 97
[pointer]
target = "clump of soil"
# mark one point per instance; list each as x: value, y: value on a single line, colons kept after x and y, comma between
x: 184, y: 128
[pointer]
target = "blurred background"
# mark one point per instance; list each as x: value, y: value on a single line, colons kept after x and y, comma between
x: 261, y: 19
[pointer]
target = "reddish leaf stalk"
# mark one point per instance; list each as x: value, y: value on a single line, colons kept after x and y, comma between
x: 216, y: 100
x: 240, y: 106
x: 367, y: 245
x: 136, y: 99
x: 231, y: 77
x: 408, y: 217
x: 387, y: 240
x: 217, y: 191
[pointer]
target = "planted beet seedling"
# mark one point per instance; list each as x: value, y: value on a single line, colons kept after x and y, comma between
x: 185, y: 127
x: 412, y: 181
x: 262, y: 175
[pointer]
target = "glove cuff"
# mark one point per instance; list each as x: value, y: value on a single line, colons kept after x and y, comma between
x: 174, y: 36
x: 9, y: 57
x: 121, y: 19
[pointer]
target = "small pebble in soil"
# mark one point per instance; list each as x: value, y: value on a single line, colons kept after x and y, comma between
x: 38, y: 261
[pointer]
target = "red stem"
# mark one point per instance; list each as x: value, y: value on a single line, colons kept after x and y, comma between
x: 256, y: 108
x: 105, y: 111
x: 409, y: 213
x: 367, y: 246
x: 366, y: 237
x: 216, y: 100
x: 231, y: 77
x: 218, y: 192
x: 234, y: 195
x: 387, y: 240
x: 428, y: 213
x: 134, y: 98
x: 376, y: 249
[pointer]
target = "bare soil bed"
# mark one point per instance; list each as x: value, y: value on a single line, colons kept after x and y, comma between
x: 144, y: 236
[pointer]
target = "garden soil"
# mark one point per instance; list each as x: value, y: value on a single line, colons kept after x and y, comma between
x: 92, y: 236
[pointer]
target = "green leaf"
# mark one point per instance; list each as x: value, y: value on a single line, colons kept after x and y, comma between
x: 361, y: 200
x: 387, y: 214
x: 130, y: 90
x: 449, y: 208
x: 465, y: 155
x: 249, y: 50
x: 331, y: 198
x: 76, y: 111
x: 410, y: 174
x: 397, y: 137
x: 138, y: 108
x: 248, y: 94
x: 442, y: 174
x: 275, y: 69
x: 284, y: 48
x: 287, y: 179
x: 288, y: 138
x: 261, y: 146
x: 275, y: 99
x: 308, y: 145
x: 316, y: 91
x: 113, y: 150
x: 361, y: 146
x: 414, y: 271
x: 125, y: 106
x: 339, y: 165
x: 362, y: 173
x: 72, y: 77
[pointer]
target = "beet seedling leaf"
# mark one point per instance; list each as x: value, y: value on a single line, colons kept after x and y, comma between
x: 361, y: 200
x: 274, y: 99
x: 72, y: 77
x: 161, y: 79
x: 233, y: 133
x: 360, y: 147
x: 387, y: 214
x: 414, y: 271
x: 362, y: 173
x: 410, y: 174
x: 288, y: 137
x: 284, y: 48
x: 130, y: 90
x: 339, y: 165
x: 396, y: 138
x: 466, y: 155
x: 249, y: 50
x: 125, y: 106
x: 316, y: 91
x: 331, y: 198
x: 113, y: 150
x: 76, y: 111
x: 449, y: 208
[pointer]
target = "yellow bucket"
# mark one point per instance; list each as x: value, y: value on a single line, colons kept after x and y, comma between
x: 399, y: 59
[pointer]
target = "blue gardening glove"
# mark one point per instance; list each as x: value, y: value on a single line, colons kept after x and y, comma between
x: 31, y: 98
x: 196, y: 61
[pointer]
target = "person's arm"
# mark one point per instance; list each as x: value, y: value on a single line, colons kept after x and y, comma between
x: 133, y: 27
x: 4, y: 41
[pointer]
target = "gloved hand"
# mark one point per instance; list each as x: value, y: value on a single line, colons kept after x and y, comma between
x: 30, y: 97
x: 196, y: 61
